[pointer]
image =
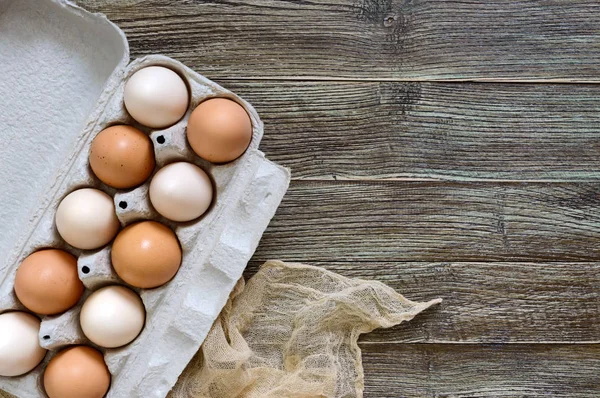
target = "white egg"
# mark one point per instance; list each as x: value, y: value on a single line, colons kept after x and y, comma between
x: 86, y: 219
x: 181, y: 191
x: 156, y: 97
x: 20, y: 349
x: 112, y: 316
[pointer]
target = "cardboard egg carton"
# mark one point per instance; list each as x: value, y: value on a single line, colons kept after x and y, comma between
x: 74, y: 52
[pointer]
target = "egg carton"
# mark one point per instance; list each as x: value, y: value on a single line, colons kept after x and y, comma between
x: 216, y: 248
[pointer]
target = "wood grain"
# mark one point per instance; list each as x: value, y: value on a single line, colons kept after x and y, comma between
x: 435, y: 221
x: 454, y: 131
x: 446, y: 370
x: 487, y: 302
x: 368, y: 39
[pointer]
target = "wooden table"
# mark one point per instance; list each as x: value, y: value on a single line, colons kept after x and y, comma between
x: 447, y: 148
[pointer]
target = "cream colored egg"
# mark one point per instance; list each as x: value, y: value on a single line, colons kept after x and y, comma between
x: 156, y: 97
x: 86, y: 219
x: 112, y: 316
x: 181, y: 191
x: 20, y: 349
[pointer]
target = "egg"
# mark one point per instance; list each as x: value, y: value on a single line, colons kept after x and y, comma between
x: 112, y: 316
x: 156, y: 96
x: 146, y: 254
x: 219, y: 130
x: 47, y: 282
x: 181, y: 191
x: 122, y: 156
x: 20, y: 349
x: 86, y: 219
x: 77, y: 372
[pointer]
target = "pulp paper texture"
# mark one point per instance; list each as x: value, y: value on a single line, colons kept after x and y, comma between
x: 63, y: 74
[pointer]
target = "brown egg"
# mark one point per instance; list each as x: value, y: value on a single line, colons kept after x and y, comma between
x: 122, y: 156
x: 146, y: 254
x: 219, y: 130
x: 77, y: 372
x: 47, y: 282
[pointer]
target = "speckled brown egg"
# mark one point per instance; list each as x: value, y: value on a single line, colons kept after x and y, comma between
x: 219, y: 130
x: 47, y: 282
x: 77, y: 372
x: 146, y: 254
x: 122, y: 156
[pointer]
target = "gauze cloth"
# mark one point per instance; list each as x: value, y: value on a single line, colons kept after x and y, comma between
x: 292, y: 331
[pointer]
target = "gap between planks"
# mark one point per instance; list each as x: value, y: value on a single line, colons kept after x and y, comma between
x: 335, y: 79
x: 444, y: 179
x: 479, y: 343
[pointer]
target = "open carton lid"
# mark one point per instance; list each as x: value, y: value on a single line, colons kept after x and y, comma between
x: 55, y: 60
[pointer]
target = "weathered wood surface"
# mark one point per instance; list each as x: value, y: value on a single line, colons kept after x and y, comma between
x: 391, y: 231
x: 460, y: 131
x: 368, y: 39
x: 510, y: 240
x: 435, y: 221
x: 449, y: 370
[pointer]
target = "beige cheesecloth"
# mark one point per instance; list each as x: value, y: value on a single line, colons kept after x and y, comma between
x: 292, y: 331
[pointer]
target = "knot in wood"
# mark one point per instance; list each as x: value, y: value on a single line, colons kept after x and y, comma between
x: 390, y: 20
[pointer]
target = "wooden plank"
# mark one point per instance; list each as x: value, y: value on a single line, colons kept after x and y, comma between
x: 456, y: 131
x: 432, y: 370
x: 487, y: 302
x: 435, y: 221
x: 368, y: 39
x: 446, y: 370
